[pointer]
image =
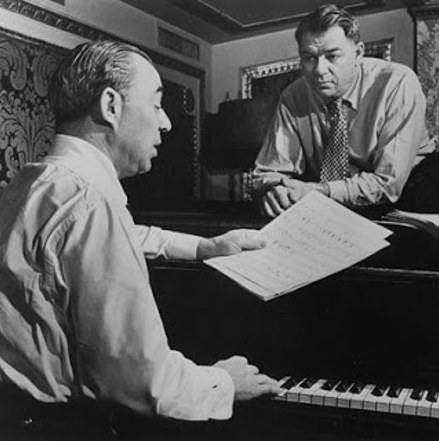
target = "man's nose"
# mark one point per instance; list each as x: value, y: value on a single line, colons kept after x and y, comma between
x: 321, y: 66
x: 165, y: 123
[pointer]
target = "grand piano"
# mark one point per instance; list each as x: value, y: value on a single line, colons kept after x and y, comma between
x: 358, y: 351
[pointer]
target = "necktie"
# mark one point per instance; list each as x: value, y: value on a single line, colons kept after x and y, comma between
x: 335, y: 164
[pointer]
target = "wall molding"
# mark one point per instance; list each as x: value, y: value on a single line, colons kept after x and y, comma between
x: 69, y: 25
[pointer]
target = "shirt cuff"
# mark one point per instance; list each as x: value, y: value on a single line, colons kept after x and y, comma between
x: 224, y: 391
x: 182, y: 246
x: 338, y: 191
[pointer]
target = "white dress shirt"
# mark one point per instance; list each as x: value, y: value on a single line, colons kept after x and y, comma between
x: 386, y: 130
x: 73, y: 275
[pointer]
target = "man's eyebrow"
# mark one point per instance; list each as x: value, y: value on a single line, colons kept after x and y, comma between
x: 159, y: 89
x: 335, y: 49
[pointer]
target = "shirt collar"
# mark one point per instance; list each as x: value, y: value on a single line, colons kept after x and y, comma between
x: 88, y: 162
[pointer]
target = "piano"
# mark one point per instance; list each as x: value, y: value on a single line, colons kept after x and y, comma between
x: 357, y: 353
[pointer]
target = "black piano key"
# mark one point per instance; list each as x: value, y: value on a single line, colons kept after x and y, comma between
x: 417, y: 393
x: 291, y: 382
x: 343, y: 386
x: 394, y: 391
x: 432, y: 395
x: 330, y: 384
x: 379, y: 390
x: 356, y: 388
x: 308, y: 382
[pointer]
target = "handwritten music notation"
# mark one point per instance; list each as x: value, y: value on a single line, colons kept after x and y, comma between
x: 313, y: 239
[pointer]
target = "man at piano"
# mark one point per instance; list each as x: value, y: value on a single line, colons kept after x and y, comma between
x: 78, y: 320
x: 351, y: 127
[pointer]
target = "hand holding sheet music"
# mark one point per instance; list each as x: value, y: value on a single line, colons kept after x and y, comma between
x: 314, y: 238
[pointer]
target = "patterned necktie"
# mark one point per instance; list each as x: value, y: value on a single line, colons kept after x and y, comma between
x: 335, y: 164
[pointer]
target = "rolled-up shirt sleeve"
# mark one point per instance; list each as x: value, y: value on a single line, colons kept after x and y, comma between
x: 281, y: 154
x: 156, y: 242
x: 123, y: 350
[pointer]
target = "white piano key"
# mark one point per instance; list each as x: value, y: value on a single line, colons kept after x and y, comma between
x: 383, y: 402
x: 410, y: 405
x: 397, y: 403
x: 424, y: 406
x: 345, y: 398
x: 357, y: 401
x: 370, y: 402
x: 330, y: 399
x: 283, y: 395
x: 319, y: 395
x: 306, y: 394
x: 434, y: 413
x: 294, y: 392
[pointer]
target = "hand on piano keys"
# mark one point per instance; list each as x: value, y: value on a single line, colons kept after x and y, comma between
x: 356, y: 395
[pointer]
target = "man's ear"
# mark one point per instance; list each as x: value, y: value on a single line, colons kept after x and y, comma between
x: 110, y: 107
x: 359, y: 51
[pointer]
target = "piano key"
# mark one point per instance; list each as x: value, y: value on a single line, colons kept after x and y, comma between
x: 412, y: 401
x: 424, y: 405
x: 287, y: 383
x: 319, y: 394
x: 370, y: 401
x: 397, y: 403
x: 358, y: 400
x: 394, y: 392
x: 294, y: 392
x: 434, y: 395
x: 305, y: 387
x: 357, y: 387
x: 345, y: 397
x: 383, y: 401
x: 330, y: 399
x: 307, y: 394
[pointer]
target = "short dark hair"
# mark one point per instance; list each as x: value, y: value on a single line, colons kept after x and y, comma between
x: 81, y: 77
x: 325, y: 17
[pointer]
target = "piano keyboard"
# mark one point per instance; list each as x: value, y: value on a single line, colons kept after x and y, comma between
x: 369, y: 397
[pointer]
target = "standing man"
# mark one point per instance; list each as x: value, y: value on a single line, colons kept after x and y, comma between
x: 77, y: 314
x: 351, y: 127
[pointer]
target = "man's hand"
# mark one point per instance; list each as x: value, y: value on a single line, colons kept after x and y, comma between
x: 229, y: 243
x: 248, y: 382
x: 280, y: 197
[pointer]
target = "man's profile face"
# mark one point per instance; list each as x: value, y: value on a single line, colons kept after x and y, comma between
x: 143, y: 120
x: 329, y: 61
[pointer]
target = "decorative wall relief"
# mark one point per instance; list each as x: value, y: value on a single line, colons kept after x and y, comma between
x: 26, y: 119
x: 427, y: 61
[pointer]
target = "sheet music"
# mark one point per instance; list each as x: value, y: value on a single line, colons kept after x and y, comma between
x: 313, y: 239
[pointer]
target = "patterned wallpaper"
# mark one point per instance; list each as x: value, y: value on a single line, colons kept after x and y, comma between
x: 428, y: 69
x: 26, y: 120
x: 427, y: 61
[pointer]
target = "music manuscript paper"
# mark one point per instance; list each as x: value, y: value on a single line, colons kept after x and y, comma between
x: 311, y: 240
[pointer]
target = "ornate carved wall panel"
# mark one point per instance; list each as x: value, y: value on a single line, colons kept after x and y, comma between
x: 26, y: 119
x: 427, y: 60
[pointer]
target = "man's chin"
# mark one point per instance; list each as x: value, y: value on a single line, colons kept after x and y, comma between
x: 326, y: 92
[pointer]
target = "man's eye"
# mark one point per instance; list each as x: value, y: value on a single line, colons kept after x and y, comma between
x: 332, y: 57
x: 308, y: 58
